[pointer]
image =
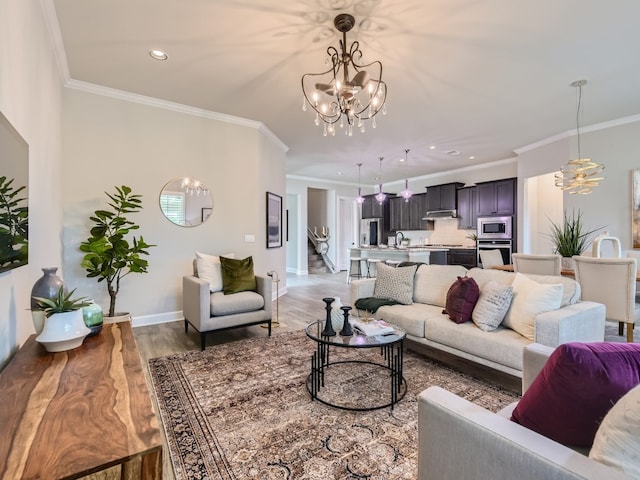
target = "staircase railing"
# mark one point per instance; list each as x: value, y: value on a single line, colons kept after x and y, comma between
x: 321, y: 244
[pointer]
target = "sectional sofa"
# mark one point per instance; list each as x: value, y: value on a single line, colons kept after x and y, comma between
x: 501, y: 349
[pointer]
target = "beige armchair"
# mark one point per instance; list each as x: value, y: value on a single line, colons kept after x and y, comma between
x: 612, y: 282
x: 214, y: 312
x: 491, y: 258
x: 538, y: 264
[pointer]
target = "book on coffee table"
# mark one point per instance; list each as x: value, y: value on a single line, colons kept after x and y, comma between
x: 371, y: 328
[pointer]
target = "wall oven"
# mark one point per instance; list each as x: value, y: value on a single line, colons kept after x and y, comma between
x: 492, y: 228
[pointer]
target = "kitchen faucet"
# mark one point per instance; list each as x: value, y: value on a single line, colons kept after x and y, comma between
x: 398, y: 242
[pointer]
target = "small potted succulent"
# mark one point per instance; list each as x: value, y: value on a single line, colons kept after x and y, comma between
x: 64, y: 327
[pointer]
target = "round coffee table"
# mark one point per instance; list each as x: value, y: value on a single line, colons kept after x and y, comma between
x: 323, y: 369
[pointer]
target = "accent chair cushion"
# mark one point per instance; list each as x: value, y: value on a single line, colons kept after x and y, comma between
x: 461, y: 298
x: 237, y: 275
x: 208, y: 268
x: 530, y: 299
x: 395, y: 283
x: 617, y: 441
x: 240, y: 302
x: 576, y: 388
x: 492, y: 306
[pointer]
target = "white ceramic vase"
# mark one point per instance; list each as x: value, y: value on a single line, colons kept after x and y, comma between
x: 63, y: 331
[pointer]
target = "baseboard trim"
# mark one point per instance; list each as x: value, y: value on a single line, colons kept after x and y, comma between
x: 156, y: 318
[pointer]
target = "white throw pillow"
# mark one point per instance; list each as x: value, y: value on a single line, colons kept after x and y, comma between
x: 492, y: 305
x: 395, y: 283
x: 209, y: 269
x: 617, y: 441
x: 530, y: 299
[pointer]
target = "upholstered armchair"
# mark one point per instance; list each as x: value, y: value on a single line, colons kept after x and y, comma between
x: 612, y: 282
x: 538, y: 264
x: 209, y: 312
x: 463, y: 441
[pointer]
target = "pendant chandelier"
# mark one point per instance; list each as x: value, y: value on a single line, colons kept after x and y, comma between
x: 359, y: 198
x: 380, y: 197
x: 579, y: 176
x: 406, y: 193
x: 338, y: 94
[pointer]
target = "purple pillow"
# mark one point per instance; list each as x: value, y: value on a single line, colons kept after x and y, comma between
x: 461, y: 298
x: 576, y: 388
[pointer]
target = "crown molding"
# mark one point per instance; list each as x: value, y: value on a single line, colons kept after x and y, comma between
x: 53, y: 27
x: 174, y: 107
x: 570, y: 133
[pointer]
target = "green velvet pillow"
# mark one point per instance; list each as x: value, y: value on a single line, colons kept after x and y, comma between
x: 237, y: 275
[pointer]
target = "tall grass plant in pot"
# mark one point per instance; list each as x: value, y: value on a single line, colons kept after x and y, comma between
x: 112, y: 253
x: 570, y: 237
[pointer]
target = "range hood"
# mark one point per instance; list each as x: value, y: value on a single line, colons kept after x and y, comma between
x: 440, y: 214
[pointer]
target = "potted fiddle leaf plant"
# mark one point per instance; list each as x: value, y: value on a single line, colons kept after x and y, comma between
x: 570, y: 237
x: 112, y: 252
x: 64, y: 327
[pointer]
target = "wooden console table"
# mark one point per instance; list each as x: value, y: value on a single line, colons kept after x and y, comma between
x: 85, y: 413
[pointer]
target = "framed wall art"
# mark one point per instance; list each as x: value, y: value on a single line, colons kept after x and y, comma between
x: 14, y: 193
x: 274, y: 220
x: 635, y: 207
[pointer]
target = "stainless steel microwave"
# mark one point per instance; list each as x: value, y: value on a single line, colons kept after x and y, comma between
x: 494, y: 228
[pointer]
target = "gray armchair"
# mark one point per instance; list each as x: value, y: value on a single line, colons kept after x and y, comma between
x: 463, y: 441
x: 214, y: 312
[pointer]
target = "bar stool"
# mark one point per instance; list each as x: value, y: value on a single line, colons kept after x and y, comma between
x: 392, y: 263
x: 372, y: 267
x: 355, y: 268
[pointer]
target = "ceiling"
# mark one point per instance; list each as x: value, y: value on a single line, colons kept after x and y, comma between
x: 481, y: 77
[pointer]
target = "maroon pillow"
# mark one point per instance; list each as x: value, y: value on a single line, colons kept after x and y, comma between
x: 576, y: 388
x: 461, y: 298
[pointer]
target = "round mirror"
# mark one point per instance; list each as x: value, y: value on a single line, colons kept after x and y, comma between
x: 186, y: 202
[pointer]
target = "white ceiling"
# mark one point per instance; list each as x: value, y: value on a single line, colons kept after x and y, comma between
x: 483, y: 77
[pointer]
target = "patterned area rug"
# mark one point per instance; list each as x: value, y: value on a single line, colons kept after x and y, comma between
x: 242, y: 411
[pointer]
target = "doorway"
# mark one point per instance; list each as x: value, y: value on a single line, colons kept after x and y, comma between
x: 347, y: 225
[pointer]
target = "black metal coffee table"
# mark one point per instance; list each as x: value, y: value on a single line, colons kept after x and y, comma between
x: 391, y: 357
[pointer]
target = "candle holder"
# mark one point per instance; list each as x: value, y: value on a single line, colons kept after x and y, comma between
x: 346, y: 326
x: 328, y: 330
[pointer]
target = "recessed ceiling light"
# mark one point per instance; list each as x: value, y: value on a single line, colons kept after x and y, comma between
x: 158, y: 55
x: 339, y: 173
x: 432, y: 147
x: 472, y: 157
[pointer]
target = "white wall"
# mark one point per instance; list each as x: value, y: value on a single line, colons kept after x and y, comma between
x: 110, y: 141
x: 30, y: 98
x: 615, y: 145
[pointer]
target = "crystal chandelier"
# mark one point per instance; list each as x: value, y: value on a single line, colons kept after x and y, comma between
x: 380, y: 197
x: 359, y: 198
x: 579, y: 176
x: 336, y: 96
x: 406, y: 193
x: 193, y: 187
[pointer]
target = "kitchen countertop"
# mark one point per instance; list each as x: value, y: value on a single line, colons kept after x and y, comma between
x: 421, y: 248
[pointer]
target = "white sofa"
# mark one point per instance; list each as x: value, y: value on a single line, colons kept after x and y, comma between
x: 459, y: 440
x: 424, y: 322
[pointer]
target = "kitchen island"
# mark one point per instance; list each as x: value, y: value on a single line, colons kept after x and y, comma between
x: 410, y: 254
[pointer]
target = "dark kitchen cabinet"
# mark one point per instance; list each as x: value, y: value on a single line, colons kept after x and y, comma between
x: 466, y: 257
x: 467, y: 208
x: 371, y: 208
x: 442, y: 197
x: 417, y: 211
x: 497, y: 198
x: 398, y: 214
x: 408, y: 215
